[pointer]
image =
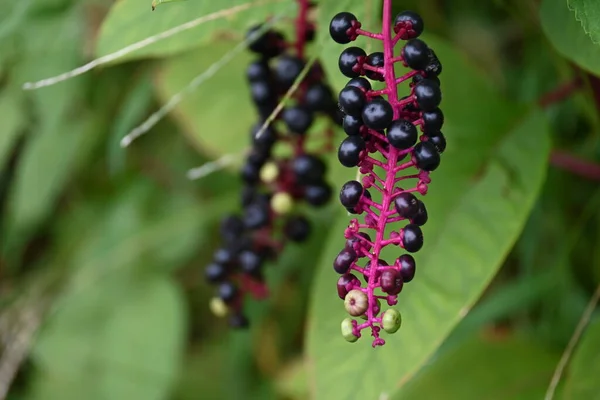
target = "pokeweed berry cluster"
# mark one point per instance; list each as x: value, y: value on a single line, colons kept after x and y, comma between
x: 383, y: 142
x: 273, y: 183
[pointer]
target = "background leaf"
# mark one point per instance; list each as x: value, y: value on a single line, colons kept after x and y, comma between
x: 588, y: 13
x: 585, y: 366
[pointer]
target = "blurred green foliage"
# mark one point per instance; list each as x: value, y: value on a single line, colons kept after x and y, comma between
x: 102, y: 248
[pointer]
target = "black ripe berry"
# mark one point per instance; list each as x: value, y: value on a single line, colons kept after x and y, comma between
x: 413, y: 238
x: 318, y: 97
x: 215, y: 272
x: 298, y: 119
x: 428, y: 94
x: 408, y: 266
x: 438, y: 140
x: 377, y: 114
x: 407, y: 205
x: 416, y: 54
x: 238, y: 321
x: 351, y: 193
x: 344, y: 260
x: 349, y: 61
x: 227, y: 291
x: 352, y: 100
x: 287, y: 70
x: 418, y: 78
x: 375, y: 60
x: 256, y: 215
x: 250, y: 172
x: 317, y: 194
x: 402, y: 134
x: 262, y: 92
x: 297, y: 228
x: 232, y: 228
x: 265, y: 140
x: 266, y: 43
x: 411, y: 22
x: 349, y: 151
x: 426, y: 156
x: 434, y: 67
x: 432, y: 120
x: 350, y: 242
x: 391, y: 281
x: 360, y: 82
x: 258, y: 71
x: 308, y: 169
x: 352, y: 125
x: 250, y: 262
x: 421, y: 217
x: 339, y: 25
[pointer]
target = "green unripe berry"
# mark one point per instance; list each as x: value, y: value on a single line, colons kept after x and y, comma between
x: 347, y: 329
x: 391, y: 320
x: 282, y: 203
x: 269, y: 172
x: 218, y: 307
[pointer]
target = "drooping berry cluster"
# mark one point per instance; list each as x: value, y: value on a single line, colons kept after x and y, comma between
x: 273, y: 183
x: 383, y: 142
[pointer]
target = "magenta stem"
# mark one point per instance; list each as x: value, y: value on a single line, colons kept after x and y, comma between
x: 372, y: 35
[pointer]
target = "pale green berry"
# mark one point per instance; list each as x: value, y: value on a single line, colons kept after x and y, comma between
x: 391, y: 320
x: 347, y: 329
x: 218, y: 307
x: 356, y: 302
x: 282, y: 203
x: 269, y: 172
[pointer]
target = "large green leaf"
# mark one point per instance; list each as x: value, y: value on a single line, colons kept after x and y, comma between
x: 582, y: 381
x: 14, y: 122
x: 115, y: 340
x: 130, y: 21
x: 496, y: 369
x: 478, y: 202
x: 588, y: 13
x: 567, y: 35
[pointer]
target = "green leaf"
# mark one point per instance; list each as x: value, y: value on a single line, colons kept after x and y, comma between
x: 514, y: 368
x: 116, y: 340
x: 588, y: 13
x: 567, y: 36
x: 582, y: 381
x: 13, y: 122
x: 478, y: 202
x: 130, y: 21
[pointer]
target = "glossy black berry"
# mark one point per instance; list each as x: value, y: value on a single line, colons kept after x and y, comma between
x: 352, y: 125
x: 402, y: 134
x: 238, y: 321
x: 344, y: 283
x: 418, y: 78
x: 339, y: 25
x: 215, y: 272
x: 432, y: 120
x: 317, y: 194
x: 426, y: 156
x: 407, y: 267
x: 318, y: 97
x: 250, y: 173
x: 421, y: 217
x: 287, y: 70
x: 227, y: 291
x: 352, y: 100
x: 350, y: 242
x: 267, y: 43
x: 258, y: 71
x: 224, y: 256
x: 377, y: 114
x: 349, y: 59
x: 308, y: 169
x: 262, y: 92
x: 375, y: 60
x: 428, y: 94
x: 250, y: 262
x: 297, y: 228
x: 360, y: 82
x: 232, y: 227
x: 265, y: 140
x: 407, y: 205
x: 351, y: 193
x: 416, y: 54
x: 298, y: 119
x: 391, y: 281
x: 249, y: 194
x: 413, y: 238
x: 344, y: 260
x: 411, y: 22
x: 438, y: 140
x: 256, y: 215
x: 349, y: 151
x: 434, y: 66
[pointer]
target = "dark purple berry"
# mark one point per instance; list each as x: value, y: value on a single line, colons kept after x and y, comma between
x: 408, y: 266
x: 344, y: 260
x: 352, y: 100
x: 350, y: 242
x: 426, y: 156
x: 258, y: 71
x: 375, y: 60
x: 377, y: 114
x: 268, y: 43
x: 439, y: 141
x: 407, y: 205
x: 298, y: 119
x: 297, y: 228
x: 250, y: 262
x: 416, y: 54
x: 360, y: 82
x: 391, y: 281
x: 287, y: 69
x: 349, y: 59
x: 266, y: 140
x: 344, y: 283
x: 349, y: 151
x: 339, y: 25
x: 256, y: 215
x: 215, y: 272
x: 238, y: 321
x: 428, y: 95
x: 318, y: 97
x: 262, y: 92
x: 232, y: 227
x: 432, y: 120
x: 352, y: 125
x: 308, y: 169
x: 402, y: 134
x: 418, y: 78
x: 250, y: 173
x: 351, y: 193
x: 421, y: 217
x: 411, y: 21
x: 227, y: 291
x: 413, y: 238
x: 434, y: 67
x: 317, y: 195
x: 249, y: 194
